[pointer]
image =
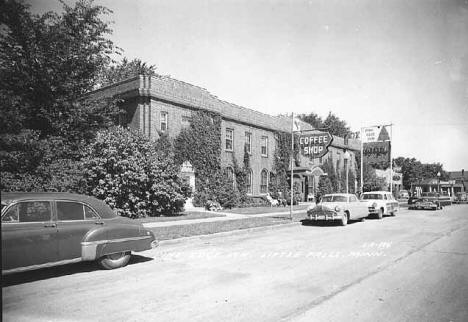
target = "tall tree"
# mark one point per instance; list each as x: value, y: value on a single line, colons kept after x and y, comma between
x: 48, y: 62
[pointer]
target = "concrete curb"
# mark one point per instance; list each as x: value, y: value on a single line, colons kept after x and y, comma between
x: 225, y: 233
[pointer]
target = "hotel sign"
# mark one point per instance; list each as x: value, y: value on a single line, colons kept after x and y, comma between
x: 315, y: 145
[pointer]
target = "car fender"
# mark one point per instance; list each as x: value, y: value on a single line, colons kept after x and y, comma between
x: 115, y: 238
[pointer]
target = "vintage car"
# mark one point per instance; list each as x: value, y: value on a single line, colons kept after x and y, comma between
x: 380, y: 203
x: 442, y: 199
x: 47, y: 229
x: 425, y: 203
x: 403, y: 194
x: 338, y: 206
x: 461, y: 197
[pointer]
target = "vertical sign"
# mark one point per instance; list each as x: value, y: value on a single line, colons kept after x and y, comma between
x: 376, y: 148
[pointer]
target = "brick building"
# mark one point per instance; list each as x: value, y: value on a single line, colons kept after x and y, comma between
x: 163, y: 104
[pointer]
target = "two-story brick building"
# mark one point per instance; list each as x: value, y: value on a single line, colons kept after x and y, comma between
x: 163, y: 104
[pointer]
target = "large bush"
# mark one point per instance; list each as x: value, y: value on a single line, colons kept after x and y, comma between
x: 126, y: 170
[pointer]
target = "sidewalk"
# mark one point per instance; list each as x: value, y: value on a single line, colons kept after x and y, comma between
x: 227, y: 216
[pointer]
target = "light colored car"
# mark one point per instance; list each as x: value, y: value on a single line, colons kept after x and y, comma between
x: 403, y: 194
x: 47, y: 229
x: 338, y: 206
x: 380, y: 203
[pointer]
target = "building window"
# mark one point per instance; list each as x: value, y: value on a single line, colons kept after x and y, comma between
x: 248, y: 181
x: 185, y: 120
x: 248, y: 142
x: 230, y: 175
x: 264, y: 147
x: 163, y: 121
x: 264, y: 181
x: 229, y: 139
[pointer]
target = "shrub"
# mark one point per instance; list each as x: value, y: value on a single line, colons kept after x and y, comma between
x: 125, y: 170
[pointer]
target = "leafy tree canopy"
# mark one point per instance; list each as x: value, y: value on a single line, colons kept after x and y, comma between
x: 125, y: 69
x: 414, y: 171
x: 48, y: 62
x: 335, y: 125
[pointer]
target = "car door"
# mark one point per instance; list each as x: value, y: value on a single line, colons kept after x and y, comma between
x: 74, y: 220
x: 357, y: 208
x: 29, y: 234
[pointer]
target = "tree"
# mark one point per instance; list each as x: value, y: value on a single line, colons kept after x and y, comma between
x: 47, y: 64
x: 313, y: 119
x: 414, y: 171
x: 125, y: 169
x: 125, y: 69
x: 336, y: 126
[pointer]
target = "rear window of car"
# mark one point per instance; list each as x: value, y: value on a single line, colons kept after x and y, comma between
x: 372, y: 196
x: 68, y: 210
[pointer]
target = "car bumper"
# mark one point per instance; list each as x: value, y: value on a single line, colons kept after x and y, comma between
x: 325, y: 216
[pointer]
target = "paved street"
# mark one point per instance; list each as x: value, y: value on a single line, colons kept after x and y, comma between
x: 412, y: 267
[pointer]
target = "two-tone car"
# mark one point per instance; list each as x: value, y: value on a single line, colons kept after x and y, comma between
x: 425, y: 204
x: 341, y: 207
x: 47, y: 229
x: 380, y: 203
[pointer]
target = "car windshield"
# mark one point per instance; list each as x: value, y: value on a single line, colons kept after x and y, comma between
x: 334, y: 198
x: 372, y: 196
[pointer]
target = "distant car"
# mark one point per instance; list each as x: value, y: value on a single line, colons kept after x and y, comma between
x: 441, y: 199
x: 403, y: 194
x: 380, y: 203
x: 47, y: 229
x: 461, y: 197
x: 425, y: 203
x: 341, y: 207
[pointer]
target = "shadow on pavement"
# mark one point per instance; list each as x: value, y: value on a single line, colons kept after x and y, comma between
x: 62, y: 270
x: 323, y: 223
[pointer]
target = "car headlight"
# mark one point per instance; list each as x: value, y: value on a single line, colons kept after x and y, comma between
x: 374, y: 205
x: 337, y: 208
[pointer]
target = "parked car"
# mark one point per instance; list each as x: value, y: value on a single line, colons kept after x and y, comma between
x: 425, y: 203
x: 338, y: 206
x: 441, y: 199
x: 380, y: 203
x: 461, y: 197
x: 47, y: 229
x: 403, y: 194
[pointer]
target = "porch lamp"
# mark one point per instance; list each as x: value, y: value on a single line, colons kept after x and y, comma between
x: 347, y: 156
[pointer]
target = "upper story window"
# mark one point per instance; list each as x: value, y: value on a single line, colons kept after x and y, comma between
x: 163, y: 124
x: 264, y: 146
x: 229, y: 139
x: 248, y: 142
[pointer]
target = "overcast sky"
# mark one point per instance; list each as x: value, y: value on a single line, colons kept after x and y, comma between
x: 368, y: 62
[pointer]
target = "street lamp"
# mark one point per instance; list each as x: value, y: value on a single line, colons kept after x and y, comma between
x: 438, y: 185
x: 347, y: 156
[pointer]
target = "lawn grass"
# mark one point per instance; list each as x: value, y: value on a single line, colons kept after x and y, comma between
x: 263, y: 210
x: 183, y: 216
x: 173, y: 232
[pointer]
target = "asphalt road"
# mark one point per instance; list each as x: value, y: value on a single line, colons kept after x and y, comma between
x: 412, y: 267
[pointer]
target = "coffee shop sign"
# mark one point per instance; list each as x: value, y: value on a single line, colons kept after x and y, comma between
x: 315, y: 145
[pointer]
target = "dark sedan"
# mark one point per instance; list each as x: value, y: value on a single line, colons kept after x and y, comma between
x: 425, y: 203
x: 47, y: 229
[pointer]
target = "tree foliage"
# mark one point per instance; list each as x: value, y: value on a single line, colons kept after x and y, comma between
x: 335, y: 125
x: 414, y: 171
x: 125, y: 169
x: 47, y: 63
x: 125, y: 69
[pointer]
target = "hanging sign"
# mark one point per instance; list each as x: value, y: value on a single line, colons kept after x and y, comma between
x: 315, y: 144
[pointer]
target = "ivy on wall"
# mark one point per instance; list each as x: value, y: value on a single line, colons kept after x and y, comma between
x: 200, y: 144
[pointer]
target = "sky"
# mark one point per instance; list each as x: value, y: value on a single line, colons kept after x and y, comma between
x: 369, y: 62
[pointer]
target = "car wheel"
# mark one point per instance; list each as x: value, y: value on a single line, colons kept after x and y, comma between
x: 392, y: 214
x: 115, y: 260
x: 380, y: 213
x: 344, y: 220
